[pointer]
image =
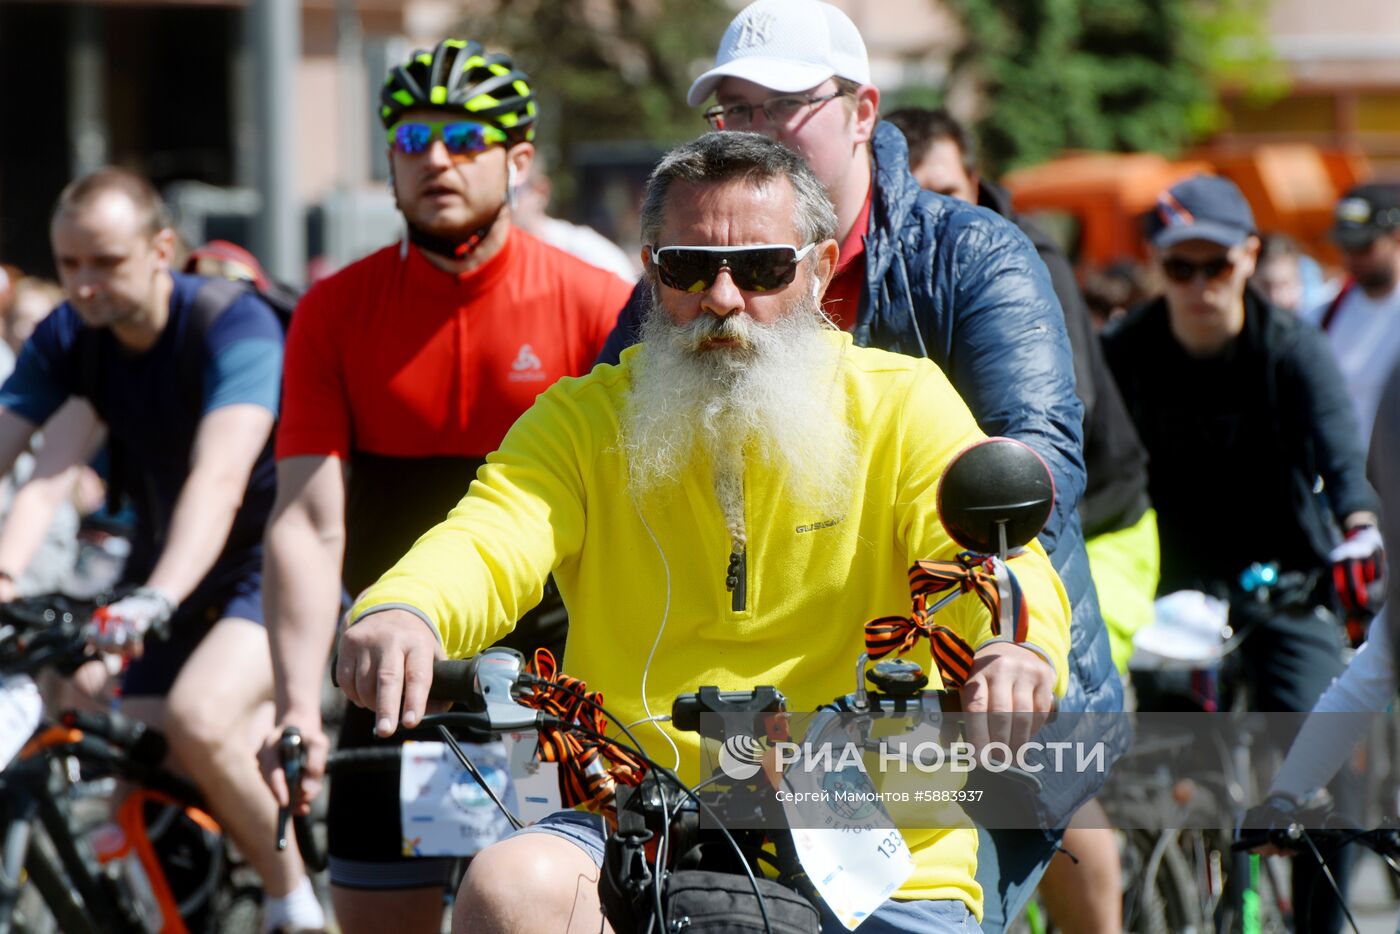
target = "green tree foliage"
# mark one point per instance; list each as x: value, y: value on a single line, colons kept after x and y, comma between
x: 606, y: 69
x: 1126, y: 75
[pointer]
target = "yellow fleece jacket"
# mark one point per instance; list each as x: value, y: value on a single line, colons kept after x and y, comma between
x: 554, y: 499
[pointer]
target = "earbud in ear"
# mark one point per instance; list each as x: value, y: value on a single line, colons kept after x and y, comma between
x: 816, y: 289
x: 510, y: 175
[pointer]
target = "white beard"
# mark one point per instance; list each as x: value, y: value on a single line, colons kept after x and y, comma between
x: 773, y: 394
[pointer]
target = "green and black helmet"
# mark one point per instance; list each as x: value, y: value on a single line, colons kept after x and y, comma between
x: 460, y: 75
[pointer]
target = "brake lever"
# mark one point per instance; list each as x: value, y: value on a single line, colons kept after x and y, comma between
x: 292, y: 754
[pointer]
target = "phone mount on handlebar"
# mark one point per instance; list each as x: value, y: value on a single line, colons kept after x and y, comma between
x: 686, y: 709
x: 995, y: 496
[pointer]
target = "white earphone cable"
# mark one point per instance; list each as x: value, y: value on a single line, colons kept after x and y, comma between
x: 652, y: 718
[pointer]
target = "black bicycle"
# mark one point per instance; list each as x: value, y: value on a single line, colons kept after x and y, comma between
x: 160, y: 863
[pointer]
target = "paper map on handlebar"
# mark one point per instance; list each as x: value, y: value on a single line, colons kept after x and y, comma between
x: 442, y: 810
x: 536, y: 782
x: 20, y: 712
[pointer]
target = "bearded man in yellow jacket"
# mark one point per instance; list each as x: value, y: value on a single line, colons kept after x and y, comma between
x: 727, y: 506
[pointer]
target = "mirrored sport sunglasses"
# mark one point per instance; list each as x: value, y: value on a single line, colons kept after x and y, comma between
x: 759, y: 268
x: 1184, y: 270
x: 461, y: 137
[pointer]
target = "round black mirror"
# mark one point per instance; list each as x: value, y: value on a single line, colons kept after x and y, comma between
x: 996, y: 494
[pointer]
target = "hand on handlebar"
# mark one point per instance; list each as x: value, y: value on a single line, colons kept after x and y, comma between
x: 1274, y: 823
x: 120, y: 628
x: 1007, y: 679
x: 1358, y: 569
x: 385, y: 664
x: 315, y: 745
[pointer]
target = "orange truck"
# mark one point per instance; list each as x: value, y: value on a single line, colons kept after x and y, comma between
x: 1094, y: 202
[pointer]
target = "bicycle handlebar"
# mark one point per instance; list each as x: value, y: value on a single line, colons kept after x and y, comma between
x: 52, y: 630
x: 42, y: 632
x: 486, y: 684
x: 1381, y: 840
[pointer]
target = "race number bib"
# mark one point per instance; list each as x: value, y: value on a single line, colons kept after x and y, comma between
x: 854, y: 871
x: 858, y: 859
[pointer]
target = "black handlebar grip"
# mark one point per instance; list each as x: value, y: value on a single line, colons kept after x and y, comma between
x: 141, y: 742
x: 453, y: 680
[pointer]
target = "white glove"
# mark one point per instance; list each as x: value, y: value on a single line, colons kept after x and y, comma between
x: 1363, y: 542
x: 121, y: 627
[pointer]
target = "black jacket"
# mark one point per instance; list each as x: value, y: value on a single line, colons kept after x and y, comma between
x: 1115, y: 463
x: 1237, y: 443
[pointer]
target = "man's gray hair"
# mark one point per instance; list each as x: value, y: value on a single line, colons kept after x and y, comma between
x: 726, y: 156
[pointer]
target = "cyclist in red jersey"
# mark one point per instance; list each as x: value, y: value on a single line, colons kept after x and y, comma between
x: 403, y: 372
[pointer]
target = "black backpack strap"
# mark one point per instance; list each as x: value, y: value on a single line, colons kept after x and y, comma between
x: 215, y: 296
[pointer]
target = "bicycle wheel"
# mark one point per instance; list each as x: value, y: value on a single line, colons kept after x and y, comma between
x: 1159, y: 897
x: 240, y: 912
x: 1248, y: 904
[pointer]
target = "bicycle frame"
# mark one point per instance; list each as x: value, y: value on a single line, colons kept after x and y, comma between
x: 40, y: 839
x: 71, y: 889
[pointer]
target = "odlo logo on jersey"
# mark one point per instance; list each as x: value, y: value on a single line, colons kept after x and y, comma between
x: 526, y: 367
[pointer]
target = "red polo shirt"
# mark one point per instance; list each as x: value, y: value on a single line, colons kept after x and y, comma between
x: 842, y: 299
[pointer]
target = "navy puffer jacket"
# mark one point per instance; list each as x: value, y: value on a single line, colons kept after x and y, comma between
x: 964, y: 287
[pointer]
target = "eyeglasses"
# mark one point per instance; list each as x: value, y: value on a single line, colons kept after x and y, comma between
x: 461, y: 137
x: 778, y: 110
x: 1184, y: 270
x: 760, y: 268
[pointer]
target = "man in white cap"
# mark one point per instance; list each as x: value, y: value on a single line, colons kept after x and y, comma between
x: 929, y: 276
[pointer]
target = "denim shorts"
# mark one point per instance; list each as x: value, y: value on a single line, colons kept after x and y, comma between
x: 588, y: 833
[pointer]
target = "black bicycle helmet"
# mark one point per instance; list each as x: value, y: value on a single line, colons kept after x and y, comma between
x: 459, y: 74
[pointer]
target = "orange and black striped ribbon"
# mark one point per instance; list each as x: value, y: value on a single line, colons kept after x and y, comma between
x: 581, y: 780
x: 986, y: 576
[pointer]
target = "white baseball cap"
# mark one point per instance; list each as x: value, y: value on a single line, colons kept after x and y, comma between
x: 786, y: 45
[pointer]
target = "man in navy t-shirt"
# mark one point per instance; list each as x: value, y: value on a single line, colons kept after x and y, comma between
x: 185, y: 389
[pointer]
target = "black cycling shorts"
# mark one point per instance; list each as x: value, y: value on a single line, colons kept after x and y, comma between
x: 233, y: 595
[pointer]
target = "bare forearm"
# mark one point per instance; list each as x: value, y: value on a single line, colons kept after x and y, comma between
x: 301, y: 601
x: 29, y: 519
x: 199, y: 529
